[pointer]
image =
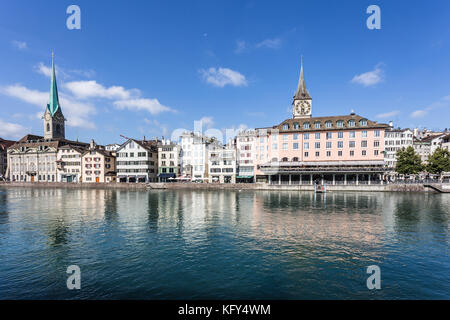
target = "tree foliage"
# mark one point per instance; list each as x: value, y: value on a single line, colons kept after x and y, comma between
x: 439, y: 161
x: 408, y: 161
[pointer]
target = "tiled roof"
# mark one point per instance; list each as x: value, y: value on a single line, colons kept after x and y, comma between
x: 323, y: 120
x: 33, y: 141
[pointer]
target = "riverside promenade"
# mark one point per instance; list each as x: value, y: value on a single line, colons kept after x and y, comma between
x: 394, y: 187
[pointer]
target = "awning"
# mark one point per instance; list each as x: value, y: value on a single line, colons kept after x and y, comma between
x: 167, y: 175
x: 244, y: 177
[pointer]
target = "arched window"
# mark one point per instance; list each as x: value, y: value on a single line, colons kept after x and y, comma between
x: 295, y: 159
x: 285, y: 159
x: 285, y: 126
x: 363, y: 122
x: 351, y: 123
x: 274, y: 159
x: 328, y: 124
x: 340, y: 123
x: 296, y: 125
x: 48, y: 127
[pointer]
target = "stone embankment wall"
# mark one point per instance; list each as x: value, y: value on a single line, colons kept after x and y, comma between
x: 217, y: 186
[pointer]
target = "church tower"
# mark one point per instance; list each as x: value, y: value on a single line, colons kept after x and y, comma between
x: 302, y: 103
x: 54, y: 121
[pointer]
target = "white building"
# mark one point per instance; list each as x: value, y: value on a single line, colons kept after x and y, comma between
x: 98, y: 166
x: 137, y: 161
x: 68, y: 160
x: 194, y: 155
x: 246, y: 156
x: 112, y: 147
x: 394, y: 140
x: 222, y: 163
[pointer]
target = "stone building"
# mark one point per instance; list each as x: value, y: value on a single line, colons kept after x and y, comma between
x: 335, y: 149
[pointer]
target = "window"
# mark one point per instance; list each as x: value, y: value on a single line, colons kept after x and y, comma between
x: 295, y: 146
x: 285, y: 146
x: 306, y: 154
x: 317, y: 135
x: 364, y: 144
x: 306, y: 125
x: 363, y: 122
x: 285, y: 126
x: 328, y: 145
x: 317, y: 153
x: 274, y: 146
x: 328, y: 153
x: 317, y: 125
x: 364, y: 152
x: 328, y: 124
x: 340, y: 123
x: 340, y: 153
x: 306, y: 145
x: 295, y: 136
x: 317, y: 145
x: 284, y: 160
x: 352, y: 153
x: 351, y: 123
x: 306, y: 136
x: 340, y: 144
x: 295, y: 159
x: 48, y: 127
x: 296, y: 126
x: 375, y: 152
x: 285, y: 137
x: 329, y: 135
x: 377, y: 133
x: 376, y: 143
x: 351, y: 144
x: 352, y: 134
x: 364, y: 134
x: 340, y: 135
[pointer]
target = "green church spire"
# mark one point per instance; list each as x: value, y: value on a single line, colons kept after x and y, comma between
x: 53, y: 103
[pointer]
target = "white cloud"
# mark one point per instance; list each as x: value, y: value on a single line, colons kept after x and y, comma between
x: 11, y: 130
x: 444, y: 102
x: 76, y: 112
x: 43, y: 69
x: 162, y: 128
x: 388, y: 114
x: 221, y: 77
x: 92, y: 89
x: 274, y: 43
x: 21, y: 45
x: 370, y: 78
x: 151, y: 105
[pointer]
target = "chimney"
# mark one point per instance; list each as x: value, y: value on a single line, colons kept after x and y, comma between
x: 391, y: 124
x: 92, y: 145
x: 143, y: 139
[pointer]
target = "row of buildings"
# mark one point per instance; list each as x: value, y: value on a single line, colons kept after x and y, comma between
x: 349, y: 149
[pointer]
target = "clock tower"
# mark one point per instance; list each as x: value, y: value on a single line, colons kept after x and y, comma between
x: 302, y: 103
x: 54, y: 121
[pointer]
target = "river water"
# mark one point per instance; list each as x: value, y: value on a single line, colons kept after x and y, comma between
x: 223, y: 244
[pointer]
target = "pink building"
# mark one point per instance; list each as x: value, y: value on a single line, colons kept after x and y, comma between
x: 345, y: 149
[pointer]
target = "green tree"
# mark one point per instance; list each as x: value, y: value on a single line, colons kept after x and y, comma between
x: 408, y: 162
x: 439, y: 161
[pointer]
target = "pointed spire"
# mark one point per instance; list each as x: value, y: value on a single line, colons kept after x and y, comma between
x: 302, y: 93
x: 53, y: 102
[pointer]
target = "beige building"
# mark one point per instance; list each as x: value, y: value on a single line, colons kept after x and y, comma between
x: 446, y: 142
x: 98, y: 166
x: 169, y: 160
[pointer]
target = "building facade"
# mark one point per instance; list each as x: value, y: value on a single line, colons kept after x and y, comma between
x: 335, y: 149
x: 98, y: 166
x: 137, y: 161
x: 245, y: 156
x: 222, y: 163
x: 169, y: 161
x: 396, y: 139
x: 68, y: 164
x: 4, y: 145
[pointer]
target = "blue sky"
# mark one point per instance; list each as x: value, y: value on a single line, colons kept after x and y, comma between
x: 146, y: 68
